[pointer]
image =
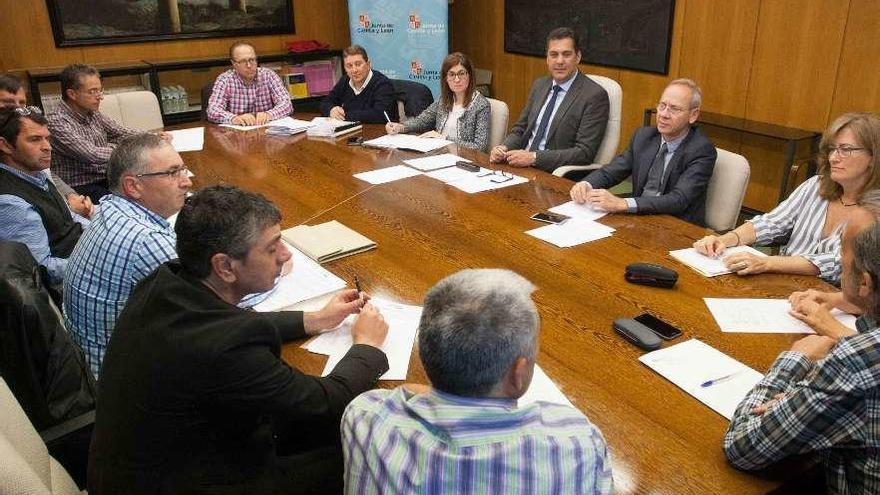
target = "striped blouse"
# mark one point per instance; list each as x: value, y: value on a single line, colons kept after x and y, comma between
x: 396, y: 442
x: 797, y: 224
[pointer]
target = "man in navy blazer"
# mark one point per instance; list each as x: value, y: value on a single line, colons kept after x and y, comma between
x: 565, y: 116
x: 670, y: 164
x: 364, y: 94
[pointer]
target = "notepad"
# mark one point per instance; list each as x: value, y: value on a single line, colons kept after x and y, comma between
x: 763, y: 316
x: 692, y: 364
x: 327, y: 127
x: 327, y: 241
x: 708, y: 266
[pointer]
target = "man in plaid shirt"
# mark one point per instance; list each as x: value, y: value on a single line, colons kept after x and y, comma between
x: 822, y: 395
x: 247, y: 94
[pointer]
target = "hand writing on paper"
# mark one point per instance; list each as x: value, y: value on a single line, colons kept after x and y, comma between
x: 343, y: 303
x: 370, y: 328
x: 759, y: 410
x: 337, y: 113
x: 393, y: 128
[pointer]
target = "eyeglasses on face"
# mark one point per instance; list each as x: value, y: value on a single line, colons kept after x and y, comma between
x: 672, y: 109
x: 462, y: 74
x: 93, y: 91
x: 245, y: 61
x: 174, y: 172
x: 843, y: 151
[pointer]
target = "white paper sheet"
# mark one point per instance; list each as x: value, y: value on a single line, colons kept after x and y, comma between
x: 708, y: 266
x: 291, y: 123
x: 572, y: 232
x: 434, y: 162
x: 449, y: 175
x: 475, y: 183
x: 307, y: 280
x: 389, y: 174
x: 575, y: 210
x: 403, y: 323
x: 192, y: 139
x: 408, y: 142
x: 692, y: 364
x: 543, y: 389
x: 763, y: 316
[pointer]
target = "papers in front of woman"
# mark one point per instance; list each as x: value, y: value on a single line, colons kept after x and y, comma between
x: 707, y: 265
x: 403, y: 323
x: 763, y: 316
x: 408, y: 142
x: 709, y: 375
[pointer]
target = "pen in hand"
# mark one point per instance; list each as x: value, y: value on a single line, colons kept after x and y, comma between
x: 357, y: 285
x: 387, y: 117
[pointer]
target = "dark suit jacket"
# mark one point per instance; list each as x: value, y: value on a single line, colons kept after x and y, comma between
x: 688, y: 174
x: 188, y: 386
x: 367, y: 107
x: 577, y: 128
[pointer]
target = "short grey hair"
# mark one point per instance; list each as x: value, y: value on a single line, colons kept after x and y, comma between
x: 132, y: 156
x: 866, y: 245
x: 696, y: 92
x: 474, y: 325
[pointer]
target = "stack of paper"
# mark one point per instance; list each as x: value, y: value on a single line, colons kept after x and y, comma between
x: 389, y: 174
x: 572, y: 232
x: 434, y: 162
x: 542, y: 389
x: 244, y: 127
x: 327, y: 127
x: 474, y: 182
x: 408, y: 142
x: 708, y: 266
x: 403, y: 324
x: 712, y: 377
x: 192, y: 139
x: 763, y: 316
x: 575, y: 210
x: 307, y: 280
x: 288, y: 126
x: 327, y: 241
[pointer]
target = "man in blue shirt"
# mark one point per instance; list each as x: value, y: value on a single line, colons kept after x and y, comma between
x: 31, y: 209
x: 128, y: 238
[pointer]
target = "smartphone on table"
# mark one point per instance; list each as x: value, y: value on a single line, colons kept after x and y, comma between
x: 549, y: 217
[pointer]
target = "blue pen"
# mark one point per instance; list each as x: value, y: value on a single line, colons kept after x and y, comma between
x: 716, y: 381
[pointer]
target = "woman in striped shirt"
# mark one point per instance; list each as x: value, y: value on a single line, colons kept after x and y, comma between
x: 809, y: 222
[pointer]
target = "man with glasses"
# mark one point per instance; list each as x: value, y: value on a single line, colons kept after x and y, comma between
x: 247, y: 94
x: 12, y: 95
x: 670, y: 164
x: 364, y: 94
x: 565, y: 117
x: 83, y: 138
x: 31, y: 209
x: 128, y: 238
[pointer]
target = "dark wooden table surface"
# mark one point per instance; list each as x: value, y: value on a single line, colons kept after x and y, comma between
x: 661, y: 439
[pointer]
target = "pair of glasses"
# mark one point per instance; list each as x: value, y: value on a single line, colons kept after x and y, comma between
x: 173, y: 172
x: 94, y: 92
x: 19, y: 111
x: 672, y: 109
x: 245, y: 61
x: 497, y: 176
x: 462, y: 74
x: 843, y: 151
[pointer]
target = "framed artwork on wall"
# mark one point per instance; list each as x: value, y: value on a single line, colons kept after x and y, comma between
x: 632, y: 34
x: 77, y: 23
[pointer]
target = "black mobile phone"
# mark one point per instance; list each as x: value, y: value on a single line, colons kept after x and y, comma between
x: 548, y: 217
x: 658, y: 326
x: 355, y: 141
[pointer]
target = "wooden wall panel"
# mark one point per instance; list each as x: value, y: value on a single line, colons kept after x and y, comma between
x: 797, y: 52
x: 857, y: 87
x: 28, y: 43
x: 719, y: 60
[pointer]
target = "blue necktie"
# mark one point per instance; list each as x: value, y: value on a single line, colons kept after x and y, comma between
x: 545, y: 119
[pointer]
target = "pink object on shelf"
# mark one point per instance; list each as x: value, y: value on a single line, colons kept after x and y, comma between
x: 319, y: 76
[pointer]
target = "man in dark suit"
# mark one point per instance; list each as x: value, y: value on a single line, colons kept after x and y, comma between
x: 565, y: 116
x: 194, y: 397
x: 670, y: 164
x: 364, y: 94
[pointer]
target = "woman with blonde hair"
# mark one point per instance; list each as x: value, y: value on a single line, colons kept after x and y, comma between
x: 809, y: 223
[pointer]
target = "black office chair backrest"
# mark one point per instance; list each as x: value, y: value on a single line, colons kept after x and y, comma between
x: 416, y: 97
x: 207, y: 89
x: 45, y: 369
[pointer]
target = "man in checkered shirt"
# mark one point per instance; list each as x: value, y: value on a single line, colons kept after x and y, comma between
x: 247, y: 94
x: 822, y: 395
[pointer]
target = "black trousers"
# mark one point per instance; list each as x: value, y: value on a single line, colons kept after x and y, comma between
x: 95, y: 190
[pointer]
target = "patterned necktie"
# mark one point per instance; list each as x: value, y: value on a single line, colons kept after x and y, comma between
x: 654, y: 186
x: 545, y: 119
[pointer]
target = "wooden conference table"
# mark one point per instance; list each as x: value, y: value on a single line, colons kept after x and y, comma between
x: 661, y: 439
